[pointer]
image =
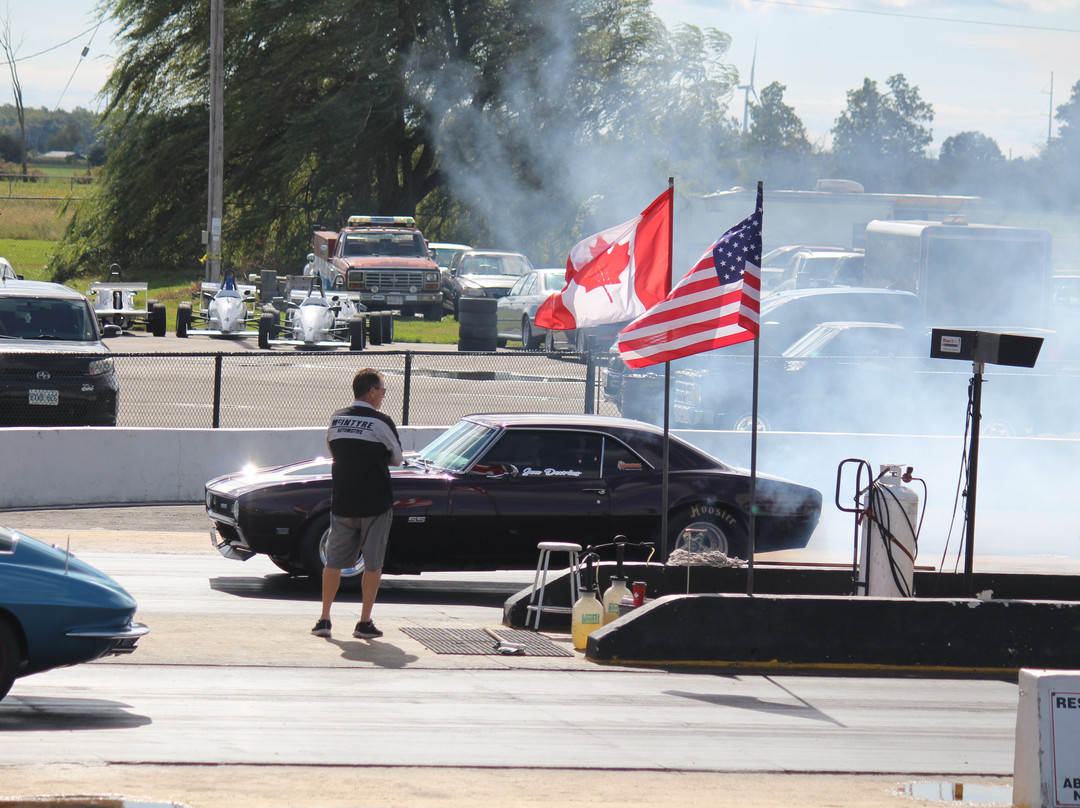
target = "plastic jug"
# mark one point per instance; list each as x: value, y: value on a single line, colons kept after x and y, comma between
x: 588, y: 615
x: 613, y: 597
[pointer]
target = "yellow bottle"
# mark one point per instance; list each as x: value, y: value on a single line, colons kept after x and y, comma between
x: 613, y: 597
x: 588, y: 615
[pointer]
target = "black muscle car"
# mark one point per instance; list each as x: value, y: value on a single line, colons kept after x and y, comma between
x: 486, y: 491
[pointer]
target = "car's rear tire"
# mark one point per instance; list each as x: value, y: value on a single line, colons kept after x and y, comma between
x: 717, y: 530
x: 183, y: 319
x: 10, y: 657
x: 157, y: 320
x: 266, y: 326
x: 529, y: 340
x: 313, y: 551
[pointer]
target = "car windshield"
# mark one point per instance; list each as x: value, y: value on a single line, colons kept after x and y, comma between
x: 46, y: 318
x: 409, y: 245
x: 512, y: 265
x: 456, y: 448
x: 554, y: 282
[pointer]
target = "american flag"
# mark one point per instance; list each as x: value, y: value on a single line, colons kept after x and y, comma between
x: 716, y: 304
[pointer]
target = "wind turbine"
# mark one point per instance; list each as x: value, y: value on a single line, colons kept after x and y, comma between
x: 748, y: 90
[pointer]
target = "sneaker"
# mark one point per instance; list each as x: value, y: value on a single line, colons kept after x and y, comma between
x: 366, y: 631
x: 322, y: 629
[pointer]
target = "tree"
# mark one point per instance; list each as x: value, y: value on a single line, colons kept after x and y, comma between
x: 11, y: 150
x: 67, y: 139
x: 779, y: 152
x: 9, y: 48
x: 507, y: 113
x: 880, y: 139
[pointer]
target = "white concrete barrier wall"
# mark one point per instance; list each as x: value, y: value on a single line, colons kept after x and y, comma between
x: 109, y: 466
x: 1026, y: 496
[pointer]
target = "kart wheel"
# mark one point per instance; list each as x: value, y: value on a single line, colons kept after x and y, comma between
x: 357, y: 334
x: 266, y: 325
x: 708, y: 529
x: 313, y: 551
x: 10, y: 657
x: 157, y: 320
x: 183, y: 319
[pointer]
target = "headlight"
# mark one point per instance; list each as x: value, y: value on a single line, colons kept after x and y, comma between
x: 209, y: 498
x: 99, y: 367
x: 235, y: 509
x: 431, y: 277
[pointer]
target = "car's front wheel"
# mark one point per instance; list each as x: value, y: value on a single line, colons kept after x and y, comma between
x: 313, y: 550
x: 10, y: 657
x: 705, y: 528
x: 529, y: 340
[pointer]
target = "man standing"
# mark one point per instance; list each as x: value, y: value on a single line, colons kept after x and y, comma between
x: 364, y: 444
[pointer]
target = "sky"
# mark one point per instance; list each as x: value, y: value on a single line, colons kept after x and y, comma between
x: 984, y: 65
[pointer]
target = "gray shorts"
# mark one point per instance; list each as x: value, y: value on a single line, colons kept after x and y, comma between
x: 353, y: 536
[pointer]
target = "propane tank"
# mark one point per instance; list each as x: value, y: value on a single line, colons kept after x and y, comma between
x: 613, y: 596
x: 889, y: 542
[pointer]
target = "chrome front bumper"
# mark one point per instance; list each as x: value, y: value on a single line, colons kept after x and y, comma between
x: 236, y: 550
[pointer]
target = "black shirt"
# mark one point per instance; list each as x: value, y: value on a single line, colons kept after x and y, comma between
x: 364, y: 443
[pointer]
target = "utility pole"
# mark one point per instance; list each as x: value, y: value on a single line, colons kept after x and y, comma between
x: 1050, y: 120
x: 217, y: 135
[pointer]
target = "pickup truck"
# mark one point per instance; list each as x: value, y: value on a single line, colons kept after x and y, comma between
x: 383, y: 259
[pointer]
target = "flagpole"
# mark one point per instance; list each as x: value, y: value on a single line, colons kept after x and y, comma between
x: 753, y: 454
x: 667, y: 393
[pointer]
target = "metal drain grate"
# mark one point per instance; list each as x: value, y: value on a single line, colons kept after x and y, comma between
x: 476, y: 641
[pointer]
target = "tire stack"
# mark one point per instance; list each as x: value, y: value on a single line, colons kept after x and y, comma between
x: 478, y: 327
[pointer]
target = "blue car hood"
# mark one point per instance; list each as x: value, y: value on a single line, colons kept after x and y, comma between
x: 27, y: 563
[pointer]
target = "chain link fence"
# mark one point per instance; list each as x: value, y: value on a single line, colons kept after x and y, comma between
x: 268, y: 390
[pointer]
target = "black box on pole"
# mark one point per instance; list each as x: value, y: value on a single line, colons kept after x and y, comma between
x: 989, y: 347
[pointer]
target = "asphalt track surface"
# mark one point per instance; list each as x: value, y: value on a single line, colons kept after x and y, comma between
x: 230, y: 702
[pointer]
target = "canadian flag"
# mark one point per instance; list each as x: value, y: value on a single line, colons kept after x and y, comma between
x: 615, y: 275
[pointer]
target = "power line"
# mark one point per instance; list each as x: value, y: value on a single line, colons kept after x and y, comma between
x: 91, y: 29
x: 85, y: 50
x: 819, y: 7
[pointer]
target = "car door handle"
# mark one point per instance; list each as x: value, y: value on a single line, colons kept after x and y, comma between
x: 600, y: 491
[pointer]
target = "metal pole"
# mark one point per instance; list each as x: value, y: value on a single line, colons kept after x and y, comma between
x: 753, y: 473
x: 590, y: 380
x: 408, y: 388
x: 217, y: 391
x: 973, y: 478
x: 664, y: 478
x: 217, y: 135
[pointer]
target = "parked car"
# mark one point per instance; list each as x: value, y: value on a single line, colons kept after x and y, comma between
x: 516, y: 312
x: 785, y: 317
x: 55, y: 369
x: 7, y: 271
x: 809, y: 269
x: 443, y: 252
x: 481, y: 273
x: 486, y: 491
x: 57, y: 610
x: 776, y: 260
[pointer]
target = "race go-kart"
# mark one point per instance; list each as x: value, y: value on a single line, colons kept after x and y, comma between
x: 225, y: 310
x: 313, y: 319
x: 118, y: 303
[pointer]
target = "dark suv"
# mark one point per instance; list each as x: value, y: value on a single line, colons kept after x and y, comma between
x: 54, y: 369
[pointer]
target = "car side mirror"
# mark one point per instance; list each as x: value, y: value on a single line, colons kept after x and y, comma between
x: 110, y: 330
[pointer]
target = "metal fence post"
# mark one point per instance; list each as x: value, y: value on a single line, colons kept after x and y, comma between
x: 217, y: 391
x: 590, y: 380
x: 405, y: 393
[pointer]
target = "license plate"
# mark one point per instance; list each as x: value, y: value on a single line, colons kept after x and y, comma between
x: 46, y: 397
x: 395, y: 300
